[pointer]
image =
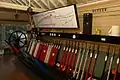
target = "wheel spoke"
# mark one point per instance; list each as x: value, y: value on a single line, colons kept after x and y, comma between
x: 22, y: 38
x: 18, y: 39
x: 21, y: 45
x: 22, y: 42
x: 17, y: 35
x: 20, y: 35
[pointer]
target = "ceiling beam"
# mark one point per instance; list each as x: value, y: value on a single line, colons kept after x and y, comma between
x: 19, y: 7
x: 33, y: 4
x: 93, y: 3
x: 19, y: 1
x: 38, y: 4
x: 62, y: 2
x: 24, y: 2
x: 14, y: 1
x: 48, y: 2
x: 53, y: 3
x: 43, y: 1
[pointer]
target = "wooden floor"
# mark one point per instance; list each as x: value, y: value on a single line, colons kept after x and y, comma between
x: 18, y: 75
x: 12, y: 69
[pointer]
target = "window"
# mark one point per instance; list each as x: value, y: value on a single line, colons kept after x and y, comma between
x: 7, y: 29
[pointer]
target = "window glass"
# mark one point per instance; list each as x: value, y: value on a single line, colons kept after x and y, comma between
x: 7, y: 29
x: 0, y: 33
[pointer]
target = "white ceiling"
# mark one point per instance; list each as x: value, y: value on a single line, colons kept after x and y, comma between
x: 39, y: 5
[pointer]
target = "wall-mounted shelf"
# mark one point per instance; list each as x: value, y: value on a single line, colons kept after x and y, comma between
x: 95, y: 38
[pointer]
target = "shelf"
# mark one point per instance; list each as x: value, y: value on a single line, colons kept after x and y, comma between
x: 95, y: 38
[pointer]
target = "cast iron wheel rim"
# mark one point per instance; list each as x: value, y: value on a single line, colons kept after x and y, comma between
x: 18, y: 39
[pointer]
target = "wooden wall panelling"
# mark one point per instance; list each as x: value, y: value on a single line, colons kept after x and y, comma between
x: 9, y: 17
x: 102, y: 20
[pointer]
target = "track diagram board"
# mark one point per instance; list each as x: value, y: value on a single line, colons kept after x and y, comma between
x: 64, y: 17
